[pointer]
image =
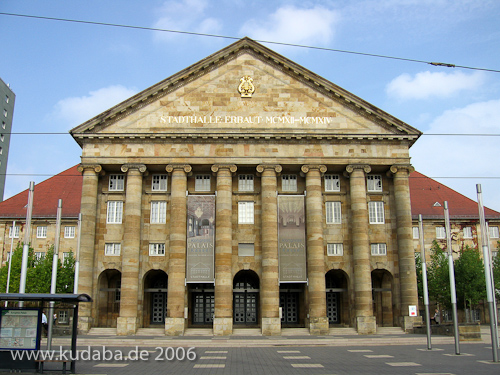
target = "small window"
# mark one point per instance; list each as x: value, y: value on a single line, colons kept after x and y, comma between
x: 202, y: 182
x: 416, y: 234
x: 115, y: 212
x: 7, y: 99
x: 379, y: 249
x: 5, y: 113
x: 14, y: 234
x: 41, y: 232
x: 159, y: 182
x: 335, y: 249
x: 156, y: 249
x: 467, y: 231
x: 333, y: 213
x: 246, y: 250
x: 289, y: 182
x: 494, y: 232
x: 245, y: 182
x: 245, y: 212
x: 440, y: 232
x: 112, y: 249
x: 4, y: 124
x: 39, y: 255
x: 332, y: 182
x: 66, y: 255
x: 376, y: 212
x: 374, y: 182
x: 69, y: 232
x: 158, y: 212
x: 116, y: 182
x: 63, y: 317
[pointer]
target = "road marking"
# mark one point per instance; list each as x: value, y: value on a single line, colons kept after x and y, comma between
x: 460, y: 355
x: 378, y: 356
x: 402, y: 364
x: 216, y: 352
x: 431, y: 350
x: 213, y: 357
x: 288, y: 351
x: 209, y: 366
x: 360, y: 351
x: 307, y: 365
x: 296, y: 357
x: 490, y: 362
x: 111, y: 365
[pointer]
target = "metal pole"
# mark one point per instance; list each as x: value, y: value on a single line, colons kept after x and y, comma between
x: 10, y: 259
x: 489, y: 288
x: 27, y: 234
x: 77, y: 255
x: 424, y: 278
x: 495, y: 309
x: 453, y: 291
x: 54, y: 274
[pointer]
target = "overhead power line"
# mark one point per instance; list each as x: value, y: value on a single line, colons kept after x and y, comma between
x: 441, y: 64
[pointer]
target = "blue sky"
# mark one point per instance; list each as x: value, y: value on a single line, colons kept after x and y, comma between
x: 65, y: 73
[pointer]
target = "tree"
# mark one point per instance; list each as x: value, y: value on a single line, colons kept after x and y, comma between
x: 439, y: 276
x: 496, y: 271
x: 469, y: 276
x: 420, y: 280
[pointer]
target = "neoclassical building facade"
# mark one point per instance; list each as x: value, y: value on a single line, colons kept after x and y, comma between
x: 246, y: 191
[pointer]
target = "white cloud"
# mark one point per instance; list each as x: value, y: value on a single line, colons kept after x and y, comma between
x: 185, y: 15
x: 425, y: 85
x: 74, y: 111
x: 290, y: 24
x: 463, y: 156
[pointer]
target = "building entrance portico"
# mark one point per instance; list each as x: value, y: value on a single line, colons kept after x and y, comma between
x: 109, y: 298
x: 337, y: 304
x: 155, y: 297
x: 292, y: 305
x: 202, y: 304
x: 245, y: 298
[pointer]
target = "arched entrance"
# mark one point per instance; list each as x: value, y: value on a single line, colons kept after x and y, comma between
x: 202, y: 304
x: 109, y: 282
x: 382, y: 297
x: 245, y: 298
x: 155, y: 297
x: 292, y: 305
x: 337, y: 304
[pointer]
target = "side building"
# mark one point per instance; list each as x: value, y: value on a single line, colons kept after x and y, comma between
x: 7, y: 98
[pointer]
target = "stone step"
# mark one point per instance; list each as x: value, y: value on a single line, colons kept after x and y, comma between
x: 102, y: 332
x: 343, y: 331
x: 150, y: 332
x: 390, y: 331
x: 295, y: 332
x: 247, y: 332
x: 198, y: 332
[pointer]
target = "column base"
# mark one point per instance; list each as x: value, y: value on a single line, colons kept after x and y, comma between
x: 319, y: 326
x: 174, y: 326
x: 223, y: 326
x: 366, y: 325
x: 126, y: 326
x: 271, y: 326
x: 84, y: 324
x: 409, y: 321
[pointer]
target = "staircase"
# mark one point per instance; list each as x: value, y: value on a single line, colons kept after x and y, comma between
x: 198, y: 332
x: 102, y: 332
x: 390, y: 331
x: 247, y: 332
x: 150, y: 332
x: 295, y: 332
x: 343, y: 331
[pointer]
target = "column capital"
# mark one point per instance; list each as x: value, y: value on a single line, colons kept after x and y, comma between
x: 276, y: 167
x: 140, y: 167
x: 96, y: 167
x: 185, y: 167
x: 364, y: 167
x: 232, y: 167
x: 307, y: 167
x: 399, y: 168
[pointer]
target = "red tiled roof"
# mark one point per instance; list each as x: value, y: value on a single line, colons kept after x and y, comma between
x: 426, y: 192
x: 66, y: 185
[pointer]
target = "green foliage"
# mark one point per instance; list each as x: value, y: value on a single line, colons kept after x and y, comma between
x: 496, y: 271
x: 438, y: 276
x: 469, y: 276
x: 420, y: 281
x: 39, y: 273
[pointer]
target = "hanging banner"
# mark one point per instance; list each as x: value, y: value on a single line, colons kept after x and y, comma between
x: 292, y: 238
x: 200, y: 239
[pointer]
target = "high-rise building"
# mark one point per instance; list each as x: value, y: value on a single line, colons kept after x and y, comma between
x: 7, y: 98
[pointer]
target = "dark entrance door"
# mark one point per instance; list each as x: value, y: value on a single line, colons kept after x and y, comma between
x: 289, y: 303
x: 203, y: 305
x: 332, y: 307
x: 158, y: 308
x: 245, y: 298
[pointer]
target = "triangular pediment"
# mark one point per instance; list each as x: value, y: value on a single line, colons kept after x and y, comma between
x: 207, y: 100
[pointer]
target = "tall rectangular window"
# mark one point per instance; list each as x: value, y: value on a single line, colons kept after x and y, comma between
x: 289, y: 182
x: 156, y: 249
x: 14, y: 233
x: 440, y: 232
x: 332, y: 182
x: 374, y: 182
x: 376, y: 212
x: 333, y: 213
x: 41, y: 232
x: 115, y: 212
x: 416, y: 234
x: 379, y: 249
x: 69, y: 232
x: 66, y: 256
x: 245, y: 212
x: 467, y: 231
x: 116, y: 182
x: 202, y: 182
x: 334, y: 249
x: 159, y: 182
x: 494, y: 232
x: 158, y: 212
x: 112, y: 249
x: 245, y: 182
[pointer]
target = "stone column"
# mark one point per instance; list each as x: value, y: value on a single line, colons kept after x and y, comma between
x: 365, y: 321
x: 223, y: 319
x: 176, y: 301
x: 88, y: 210
x: 269, y: 289
x: 406, y: 253
x: 127, y: 322
x: 318, y: 321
